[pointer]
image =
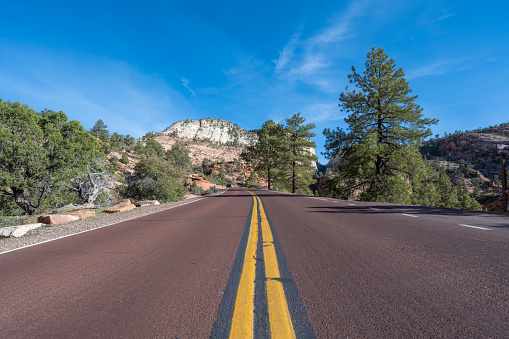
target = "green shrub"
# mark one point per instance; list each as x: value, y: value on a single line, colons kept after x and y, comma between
x: 154, y: 179
x: 113, y: 166
x: 125, y: 159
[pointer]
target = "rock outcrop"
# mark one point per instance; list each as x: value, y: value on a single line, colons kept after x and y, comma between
x: 215, y: 130
x: 202, y: 182
x: 71, y: 207
x: 18, y: 231
x: 54, y: 219
x: 124, y: 205
x: 84, y: 214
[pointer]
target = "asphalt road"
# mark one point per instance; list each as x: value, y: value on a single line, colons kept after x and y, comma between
x: 347, y: 269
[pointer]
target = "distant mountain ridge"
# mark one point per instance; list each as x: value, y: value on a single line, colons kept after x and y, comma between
x: 219, y: 131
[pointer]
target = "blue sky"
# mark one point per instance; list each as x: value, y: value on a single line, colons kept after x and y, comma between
x: 141, y: 66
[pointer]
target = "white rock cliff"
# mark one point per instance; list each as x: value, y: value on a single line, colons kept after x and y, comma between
x: 216, y: 130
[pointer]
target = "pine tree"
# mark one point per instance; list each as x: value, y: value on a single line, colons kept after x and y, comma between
x: 379, y: 150
x: 100, y: 131
x: 124, y: 159
x: 178, y: 156
x: 299, y: 157
x: 265, y: 155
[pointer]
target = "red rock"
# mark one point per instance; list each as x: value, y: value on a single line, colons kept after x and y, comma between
x: 124, y: 205
x: 84, y: 214
x: 56, y: 219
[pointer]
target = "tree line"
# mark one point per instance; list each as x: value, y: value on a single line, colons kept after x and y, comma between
x: 47, y: 161
x: 282, y: 155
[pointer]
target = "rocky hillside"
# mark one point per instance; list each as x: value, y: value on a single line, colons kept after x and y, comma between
x: 476, y: 147
x: 202, y: 149
x: 471, y: 156
x: 217, y: 131
x: 214, y: 148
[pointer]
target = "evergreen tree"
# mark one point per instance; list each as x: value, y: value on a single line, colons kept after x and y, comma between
x: 153, y: 178
x: 178, y: 156
x: 265, y: 155
x: 100, y: 131
x: 150, y: 148
x: 129, y: 141
x: 299, y: 158
x: 117, y: 141
x: 125, y: 158
x: 379, y: 151
x: 41, y: 155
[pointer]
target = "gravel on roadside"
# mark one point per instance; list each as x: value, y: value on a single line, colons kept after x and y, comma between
x: 56, y: 231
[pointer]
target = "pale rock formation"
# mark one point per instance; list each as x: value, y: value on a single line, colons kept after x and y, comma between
x: 84, y: 214
x: 124, y: 205
x: 216, y: 130
x: 56, y: 218
x: 18, y: 231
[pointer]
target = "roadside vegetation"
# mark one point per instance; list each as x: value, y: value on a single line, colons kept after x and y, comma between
x: 377, y: 157
x: 47, y: 162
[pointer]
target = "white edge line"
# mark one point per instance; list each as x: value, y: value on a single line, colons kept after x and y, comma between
x: 351, y: 204
x: 409, y: 215
x: 481, y: 228
x: 92, y: 229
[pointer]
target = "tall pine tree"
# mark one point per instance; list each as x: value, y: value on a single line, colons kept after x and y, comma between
x: 265, y: 155
x: 379, y: 151
x: 300, y: 159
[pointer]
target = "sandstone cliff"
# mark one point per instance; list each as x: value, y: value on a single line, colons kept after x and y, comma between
x: 218, y: 131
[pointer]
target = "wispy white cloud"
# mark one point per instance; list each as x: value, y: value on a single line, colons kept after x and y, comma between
x: 433, y: 16
x: 287, y: 53
x: 309, y: 61
x: 185, y: 83
x: 322, y: 112
x: 339, y: 30
x: 437, y: 68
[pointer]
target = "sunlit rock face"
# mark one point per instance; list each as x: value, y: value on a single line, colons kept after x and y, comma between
x: 215, y: 130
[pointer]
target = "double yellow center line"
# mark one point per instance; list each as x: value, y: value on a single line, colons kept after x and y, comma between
x: 243, y: 315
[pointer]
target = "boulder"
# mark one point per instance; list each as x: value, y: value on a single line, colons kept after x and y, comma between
x: 124, y: 205
x: 6, y: 231
x: 84, y: 214
x: 56, y: 218
x: 147, y: 203
x: 18, y: 231
x: 22, y: 230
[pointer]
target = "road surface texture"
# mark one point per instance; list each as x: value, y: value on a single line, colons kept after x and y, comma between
x: 321, y: 267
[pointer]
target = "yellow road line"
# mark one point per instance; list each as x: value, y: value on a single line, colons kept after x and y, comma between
x: 279, y: 315
x: 243, y: 314
x: 242, y: 321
